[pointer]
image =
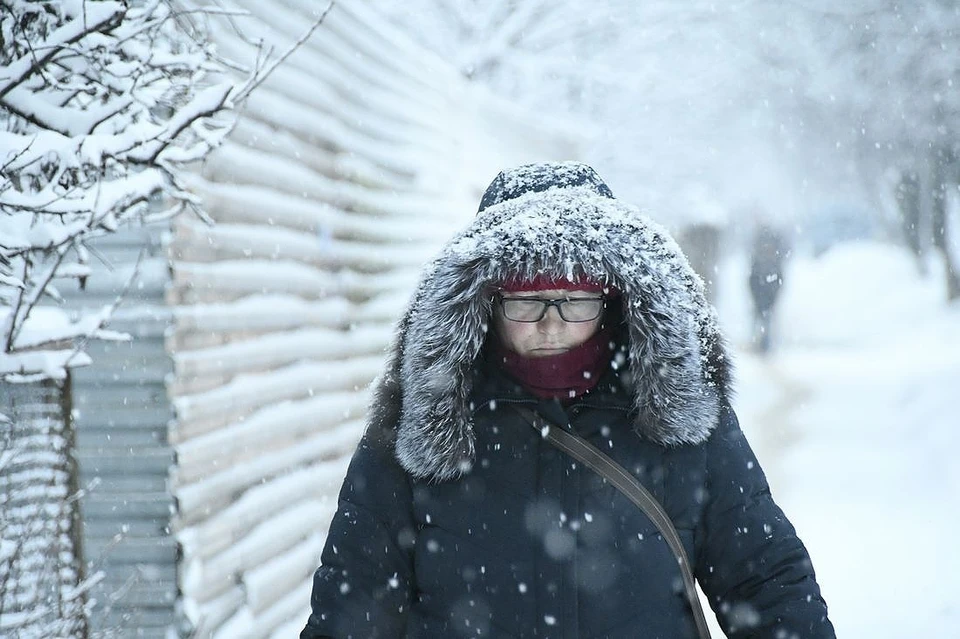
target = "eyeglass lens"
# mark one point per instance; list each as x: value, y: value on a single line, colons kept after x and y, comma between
x: 533, y: 309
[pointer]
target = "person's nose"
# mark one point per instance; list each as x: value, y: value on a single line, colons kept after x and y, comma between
x: 551, y: 321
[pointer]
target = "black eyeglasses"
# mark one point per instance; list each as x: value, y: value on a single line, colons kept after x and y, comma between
x: 533, y: 309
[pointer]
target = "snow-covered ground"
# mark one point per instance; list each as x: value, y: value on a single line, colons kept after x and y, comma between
x: 856, y: 419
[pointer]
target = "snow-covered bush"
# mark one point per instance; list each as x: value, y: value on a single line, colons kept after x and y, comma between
x: 100, y: 103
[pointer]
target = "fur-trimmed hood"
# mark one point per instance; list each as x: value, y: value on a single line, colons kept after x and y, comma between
x: 559, y: 219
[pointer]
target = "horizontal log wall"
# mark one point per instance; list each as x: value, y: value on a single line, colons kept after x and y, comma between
x: 348, y: 168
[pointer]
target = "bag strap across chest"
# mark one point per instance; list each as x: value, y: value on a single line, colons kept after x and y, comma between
x: 587, y: 454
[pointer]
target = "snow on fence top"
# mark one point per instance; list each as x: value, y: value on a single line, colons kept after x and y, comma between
x: 347, y: 168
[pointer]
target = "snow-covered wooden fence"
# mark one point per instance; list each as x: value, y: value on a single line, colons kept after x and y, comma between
x: 39, y: 558
x: 255, y: 338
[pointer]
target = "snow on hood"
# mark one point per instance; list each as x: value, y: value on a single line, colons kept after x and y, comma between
x: 558, y: 220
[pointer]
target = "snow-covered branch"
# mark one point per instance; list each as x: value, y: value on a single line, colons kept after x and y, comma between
x: 102, y: 16
x: 101, y: 103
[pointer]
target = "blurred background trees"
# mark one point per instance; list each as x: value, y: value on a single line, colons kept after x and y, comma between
x: 807, y: 112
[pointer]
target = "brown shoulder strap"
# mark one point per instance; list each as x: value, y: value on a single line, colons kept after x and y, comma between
x: 590, y: 456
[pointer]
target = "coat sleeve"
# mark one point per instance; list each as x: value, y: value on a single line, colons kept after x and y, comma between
x: 752, y: 566
x: 363, y: 586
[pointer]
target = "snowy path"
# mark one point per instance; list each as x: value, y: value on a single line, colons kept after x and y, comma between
x: 856, y: 421
x: 868, y: 485
x: 773, y: 426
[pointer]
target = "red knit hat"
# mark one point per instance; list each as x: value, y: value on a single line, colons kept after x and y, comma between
x: 542, y: 282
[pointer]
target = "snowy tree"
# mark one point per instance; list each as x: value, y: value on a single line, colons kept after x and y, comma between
x: 753, y: 101
x: 659, y: 85
x: 101, y: 103
x: 598, y: 60
x: 680, y: 98
x: 889, y: 82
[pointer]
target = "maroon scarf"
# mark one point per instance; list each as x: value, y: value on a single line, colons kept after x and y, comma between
x: 563, y: 376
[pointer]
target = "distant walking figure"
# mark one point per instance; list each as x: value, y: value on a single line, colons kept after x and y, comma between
x: 767, y: 257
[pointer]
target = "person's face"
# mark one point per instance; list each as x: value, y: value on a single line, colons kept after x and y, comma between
x: 551, y: 335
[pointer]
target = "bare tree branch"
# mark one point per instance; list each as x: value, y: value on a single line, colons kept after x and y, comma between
x: 262, y: 74
x: 9, y: 324
x: 24, y: 308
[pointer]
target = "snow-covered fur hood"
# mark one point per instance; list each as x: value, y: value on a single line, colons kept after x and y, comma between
x: 559, y: 219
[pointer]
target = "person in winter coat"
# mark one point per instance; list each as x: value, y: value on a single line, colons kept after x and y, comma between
x: 768, y: 253
x: 458, y: 519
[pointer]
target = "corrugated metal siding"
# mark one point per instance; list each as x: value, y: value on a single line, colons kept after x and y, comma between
x: 348, y: 168
x: 122, y: 412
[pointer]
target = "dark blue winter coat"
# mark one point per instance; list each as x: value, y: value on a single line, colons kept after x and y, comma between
x: 456, y: 519
x: 528, y: 543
